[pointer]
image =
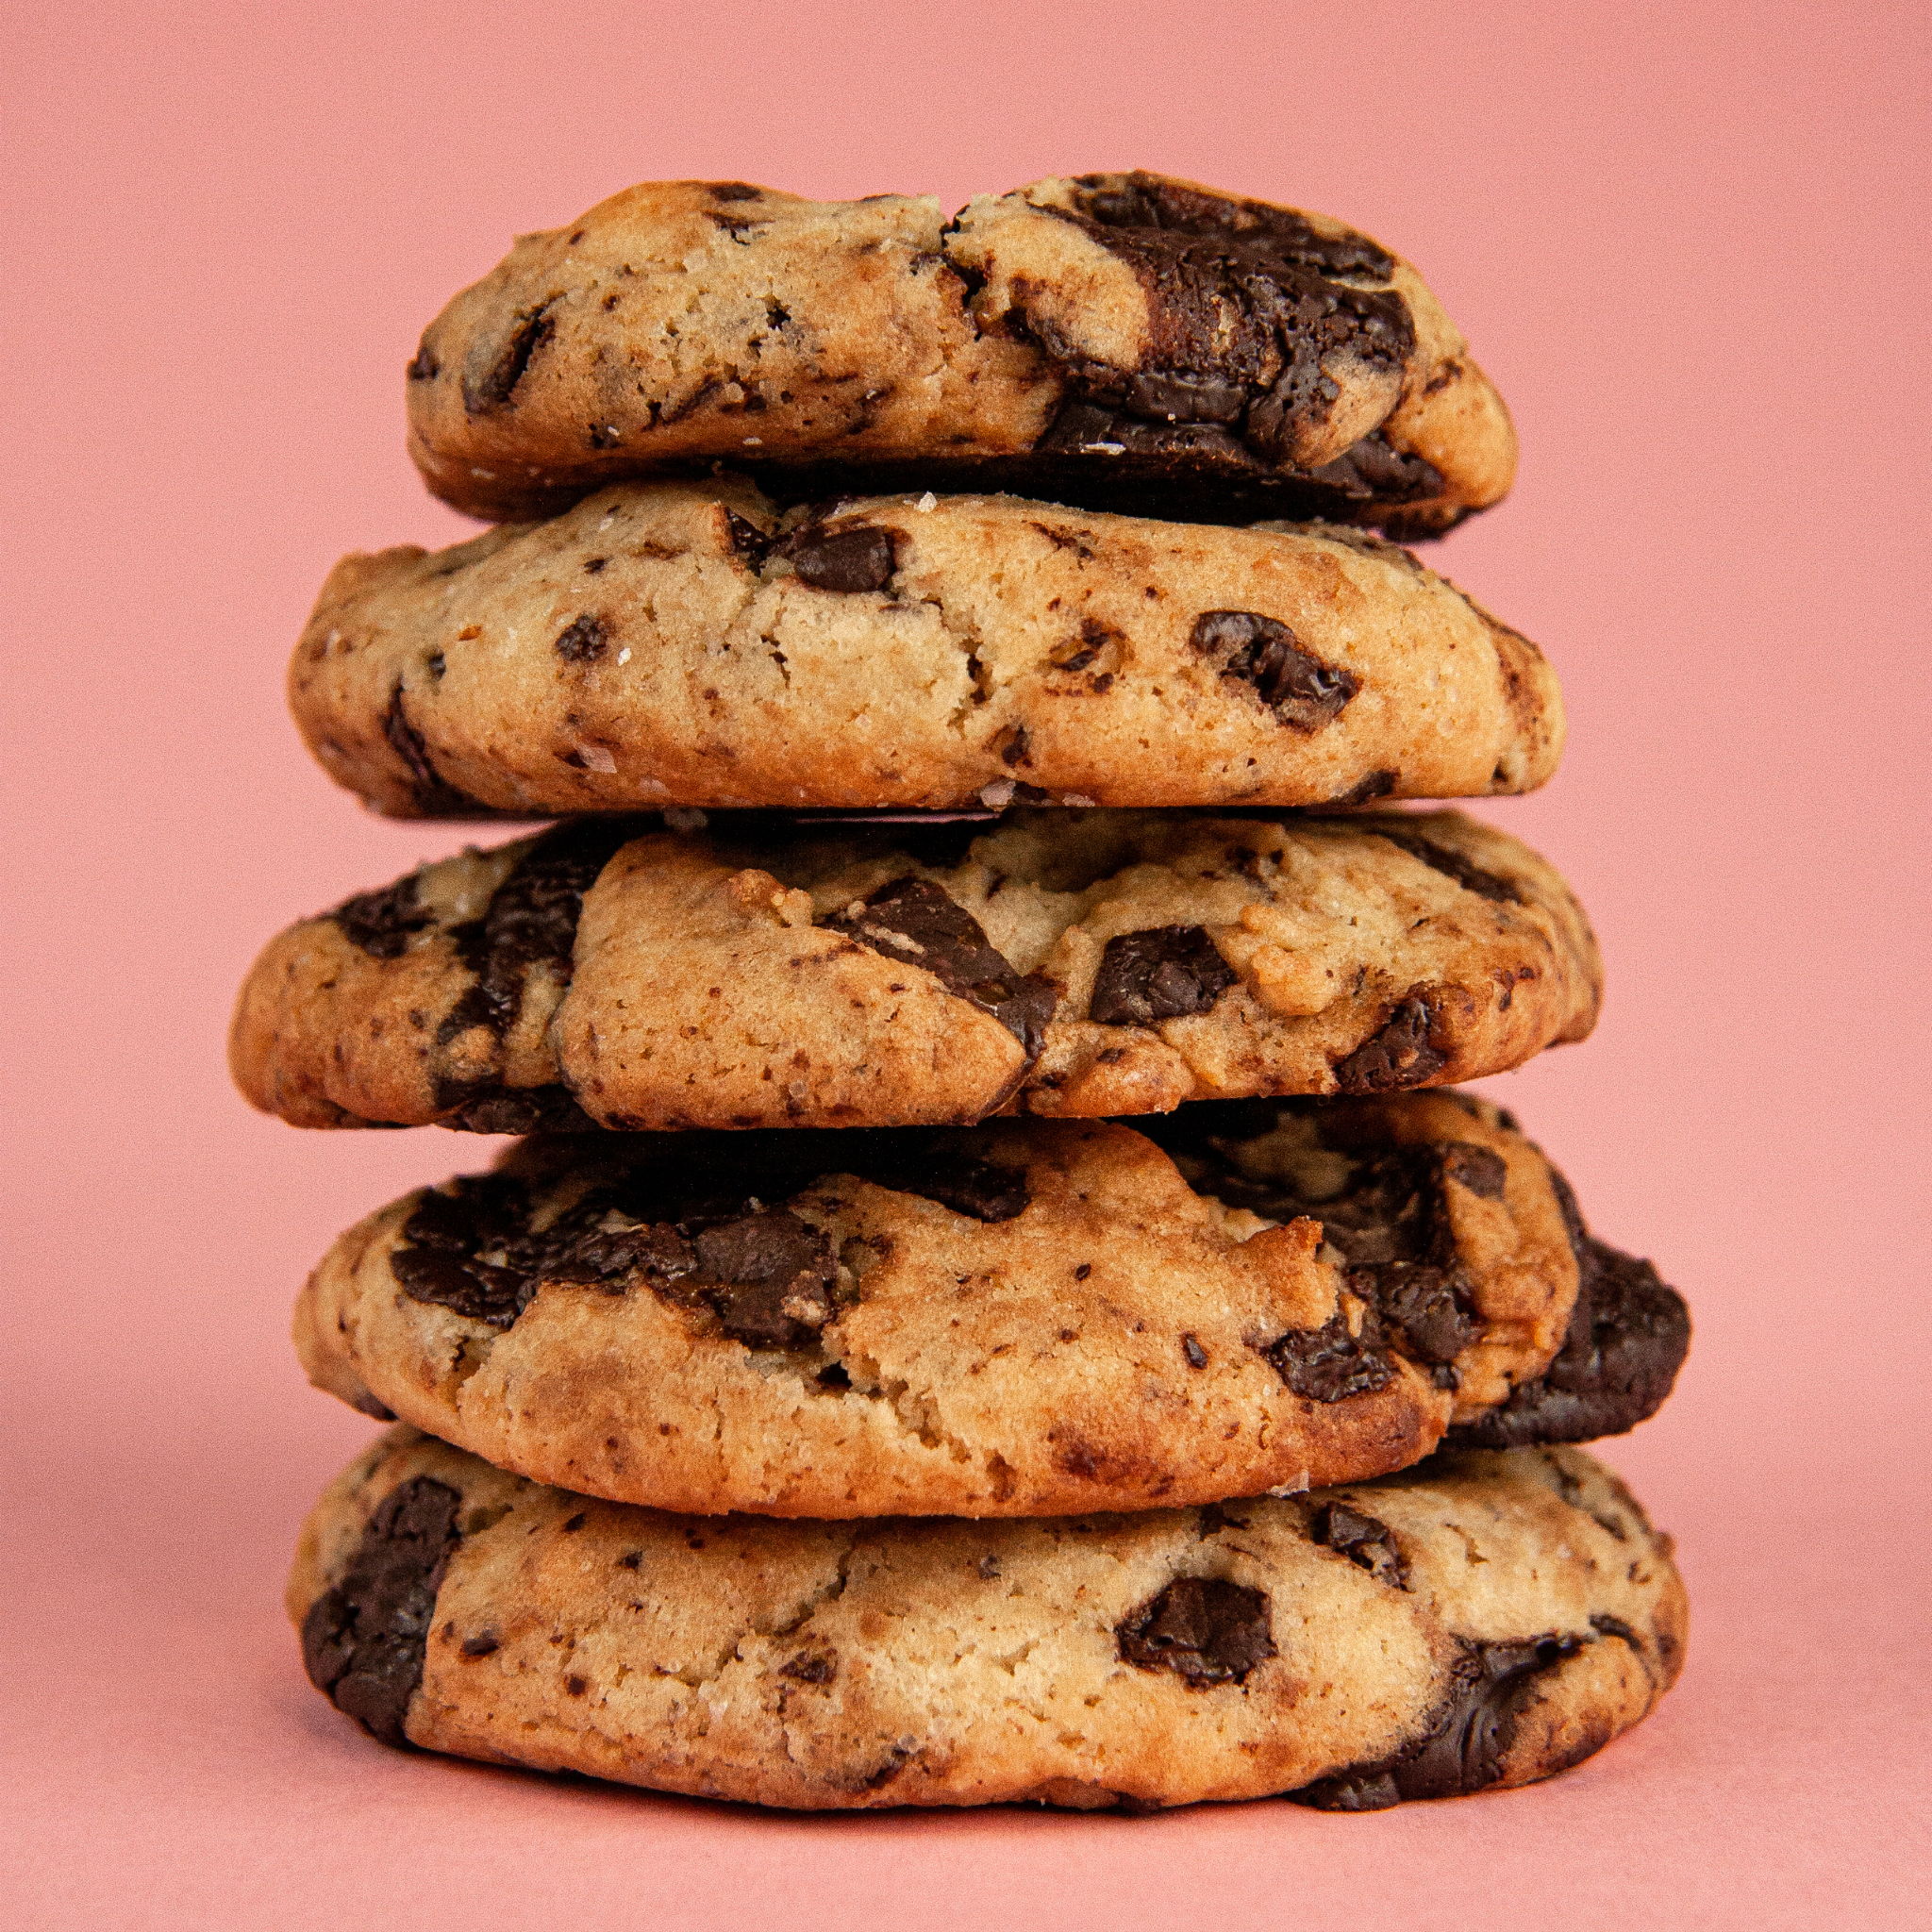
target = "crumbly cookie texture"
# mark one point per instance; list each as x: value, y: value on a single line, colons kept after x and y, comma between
x: 1484, y: 1620
x: 685, y: 645
x: 1114, y: 340
x: 767, y: 972
x: 1023, y: 1320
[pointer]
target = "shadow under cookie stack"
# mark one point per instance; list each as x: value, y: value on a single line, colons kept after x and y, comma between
x: 999, y: 1297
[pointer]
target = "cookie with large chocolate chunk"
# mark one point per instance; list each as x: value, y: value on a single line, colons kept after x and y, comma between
x: 684, y: 644
x: 1122, y: 341
x: 765, y: 971
x: 1481, y: 1621
x: 1021, y: 1320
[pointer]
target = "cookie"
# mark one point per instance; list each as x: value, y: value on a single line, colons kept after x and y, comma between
x: 773, y: 971
x: 682, y: 643
x: 1121, y: 341
x: 1481, y: 1621
x: 1033, y: 1319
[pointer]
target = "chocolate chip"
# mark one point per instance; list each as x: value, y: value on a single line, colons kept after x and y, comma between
x: 1471, y: 877
x: 811, y: 1666
x: 1014, y: 743
x: 850, y: 559
x: 380, y: 923
x: 583, y: 641
x: 734, y: 191
x: 1203, y: 1628
x: 1246, y: 303
x: 434, y: 798
x: 768, y: 1277
x: 1328, y: 1364
x: 486, y: 1645
x: 1374, y: 470
x: 1377, y: 784
x: 494, y: 389
x: 1400, y: 1054
x: 1481, y: 1170
x: 1463, y: 1749
x: 747, y: 539
x: 1162, y: 974
x: 522, y: 1110
x: 364, y: 1639
x: 1388, y: 1218
x: 974, y: 1188
x: 1297, y: 687
x: 913, y: 921
x: 1140, y: 200
x: 423, y: 367
x: 1196, y: 1354
x: 531, y: 921
x: 1628, y: 1335
x: 1426, y: 1306
x: 1366, y: 1543
x: 688, y: 1215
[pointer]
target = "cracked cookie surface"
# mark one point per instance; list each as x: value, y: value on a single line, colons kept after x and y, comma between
x: 1032, y: 1318
x: 685, y: 645
x: 775, y: 972
x: 1123, y: 340
x: 1481, y: 1621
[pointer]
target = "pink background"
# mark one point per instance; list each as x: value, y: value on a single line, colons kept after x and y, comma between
x: 1688, y: 243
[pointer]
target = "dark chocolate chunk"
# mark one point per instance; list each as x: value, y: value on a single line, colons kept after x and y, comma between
x: 423, y: 366
x: 1427, y: 1306
x: 691, y: 1213
x: 1297, y: 687
x: 1196, y: 1354
x: 811, y: 1666
x: 1377, y: 784
x: 1328, y: 1364
x: 768, y: 1277
x: 435, y: 797
x: 1481, y: 1170
x: 1453, y: 865
x: 494, y: 389
x: 583, y: 641
x: 364, y: 1639
x: 522, y: 1110
x: 1203, y: 1628
x: 1246, y: 304
x: 851, y: 560
x: 1160, y: 973
x: 974, y: 1188
x: 914, y: 922
x: 1388, y: 1218
x: 1401, y: 1054
x: 1366, y: 1543
x: 734, y: 191
x: 747, y: 539
x: 531, y: 920
x: 1140, y: 200
x: 380, y: 923
x: 1628, y: 1335
x: 1463, y: 1751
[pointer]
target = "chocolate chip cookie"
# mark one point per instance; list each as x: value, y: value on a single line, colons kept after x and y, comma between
x: 1481, y: 1621
x: 773, y: 971
x: 683, y: 644
x: 1121, y: 341
x: 1024, y: 1319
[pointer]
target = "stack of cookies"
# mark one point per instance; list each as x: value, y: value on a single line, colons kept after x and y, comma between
x: 999, y: 1297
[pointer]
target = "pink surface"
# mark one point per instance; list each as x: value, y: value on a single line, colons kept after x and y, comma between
x: 1688, y: 245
